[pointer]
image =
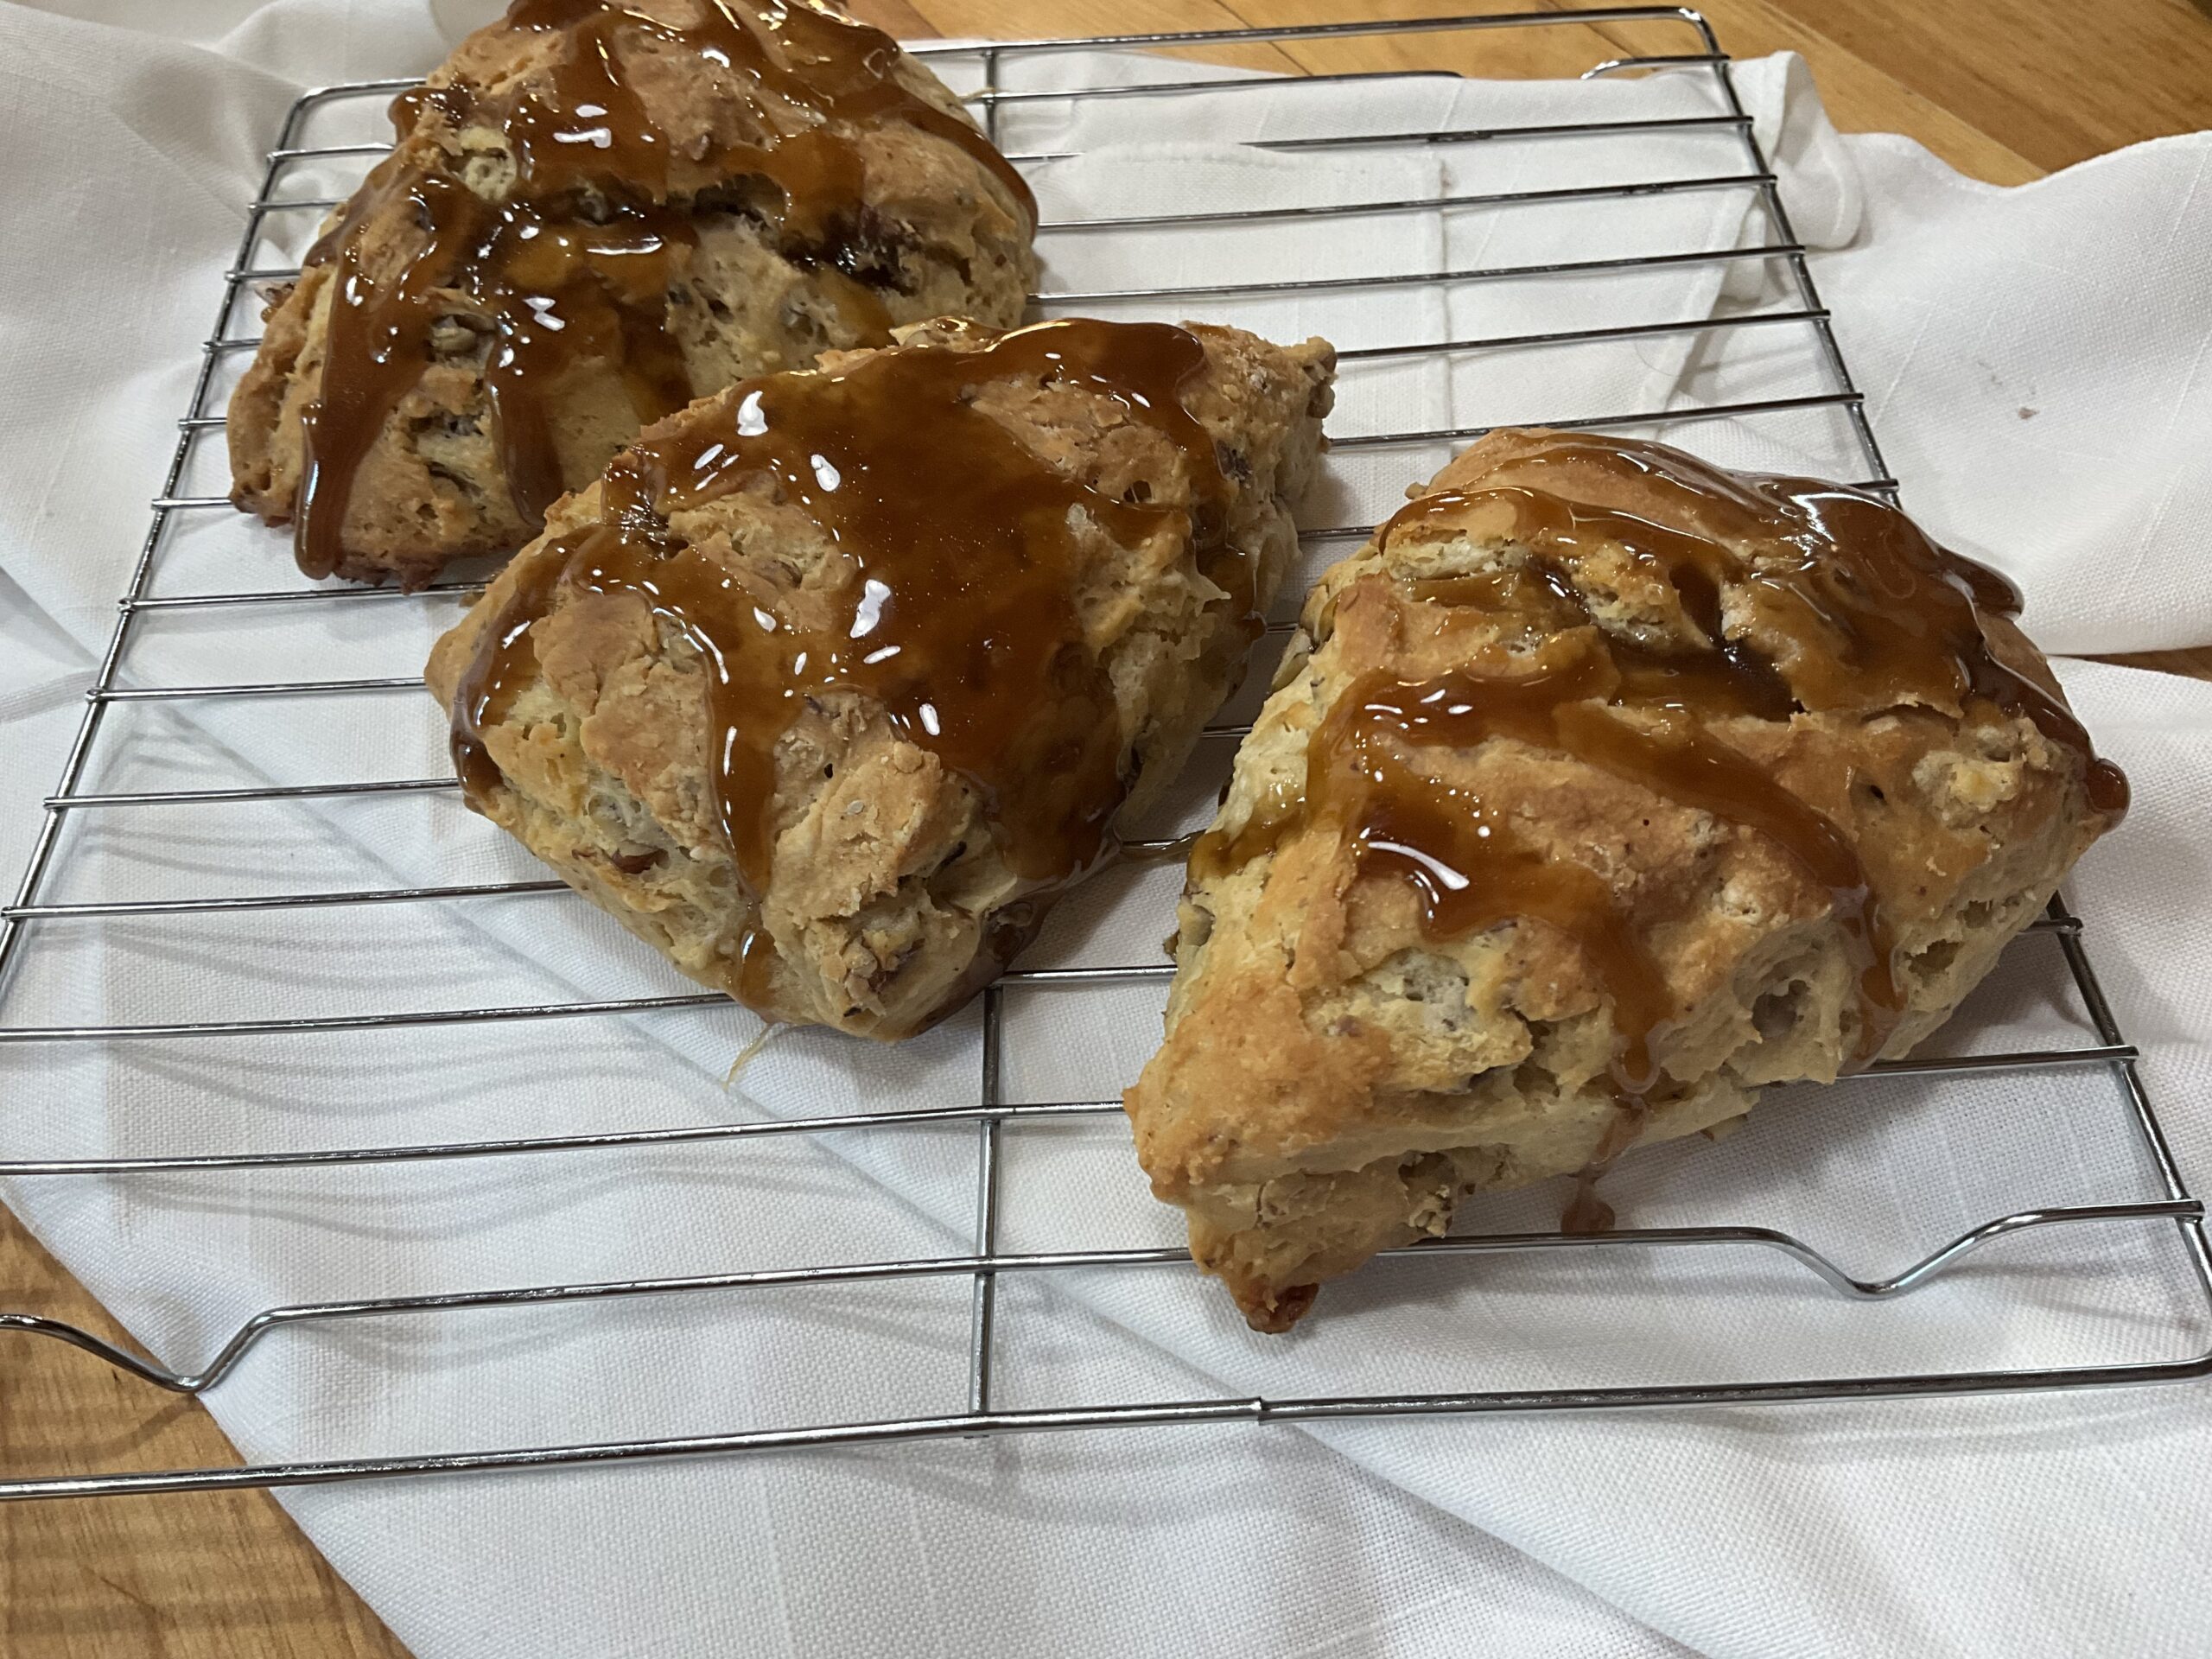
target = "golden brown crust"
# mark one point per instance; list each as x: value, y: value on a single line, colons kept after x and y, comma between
x: 931, y: 232
x: 890, y: 897
x: 1335, y: 1075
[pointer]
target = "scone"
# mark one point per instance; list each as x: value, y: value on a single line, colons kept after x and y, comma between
x: 1601, y: 788
x: 840, y: 676
x: 595, y: 213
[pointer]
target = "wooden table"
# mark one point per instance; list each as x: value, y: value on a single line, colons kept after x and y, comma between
x: 2005, y: 90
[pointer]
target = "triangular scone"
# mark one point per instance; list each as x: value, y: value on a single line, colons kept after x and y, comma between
x: 1602, y: 788
x: 840, y: 676
x: 595, y: 213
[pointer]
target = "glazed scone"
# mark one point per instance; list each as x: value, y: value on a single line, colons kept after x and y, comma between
x: 1601, y: 788
x: 595, y: 213
x: 840, y: 676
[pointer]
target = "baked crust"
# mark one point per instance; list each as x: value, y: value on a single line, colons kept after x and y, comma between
x: 873, y: 875
x: 1339, y: 1070
x: 738, y: 223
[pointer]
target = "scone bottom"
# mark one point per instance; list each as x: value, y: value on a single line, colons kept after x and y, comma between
x: 1602, y: 788
x: 837, y: 679
x: 594, y: 212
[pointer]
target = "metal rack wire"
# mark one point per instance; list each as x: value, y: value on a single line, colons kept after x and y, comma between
x: 1778, y: 253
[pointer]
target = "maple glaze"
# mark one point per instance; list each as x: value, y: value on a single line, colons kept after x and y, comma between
x: 1871, y: 615
x: 948, y: 594
x: 575, y: 261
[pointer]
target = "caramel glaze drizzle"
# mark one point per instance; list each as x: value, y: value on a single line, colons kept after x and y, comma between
x: 949, y: 592
x: 1585, y: 1212
x: 1874, y: 615
x: 578, y: 261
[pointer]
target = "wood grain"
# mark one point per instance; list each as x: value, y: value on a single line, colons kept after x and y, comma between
x: 2004, y: 90
x: 115, y: 1579
x: 2053, y: 81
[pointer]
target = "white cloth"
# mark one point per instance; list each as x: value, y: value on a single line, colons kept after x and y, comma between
x: 1881, y: 1529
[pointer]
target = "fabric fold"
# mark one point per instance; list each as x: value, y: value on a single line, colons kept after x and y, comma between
x: 1821, y: 1531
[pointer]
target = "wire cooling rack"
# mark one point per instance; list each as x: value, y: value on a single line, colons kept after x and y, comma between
x: 1786, y: 304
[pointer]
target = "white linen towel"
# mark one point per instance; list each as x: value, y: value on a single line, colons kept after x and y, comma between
x: 2034, y: 365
